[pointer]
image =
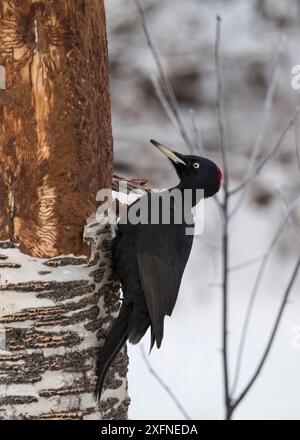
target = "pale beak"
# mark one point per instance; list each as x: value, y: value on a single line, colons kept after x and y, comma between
x: 175, y: 157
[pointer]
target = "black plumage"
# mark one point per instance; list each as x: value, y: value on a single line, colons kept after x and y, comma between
x: 150, y: 256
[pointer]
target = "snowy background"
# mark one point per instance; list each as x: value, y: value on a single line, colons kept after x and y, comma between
x: 184, y: 33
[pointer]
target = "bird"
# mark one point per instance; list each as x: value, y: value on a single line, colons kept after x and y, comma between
x: 150, y: 254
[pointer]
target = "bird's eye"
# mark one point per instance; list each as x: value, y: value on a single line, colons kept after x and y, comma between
x: 196, y: 165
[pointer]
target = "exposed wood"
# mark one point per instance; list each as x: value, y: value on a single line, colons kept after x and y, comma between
x: 55, y: 127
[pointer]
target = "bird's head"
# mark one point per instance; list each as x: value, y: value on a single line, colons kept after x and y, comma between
x: 194, y: 172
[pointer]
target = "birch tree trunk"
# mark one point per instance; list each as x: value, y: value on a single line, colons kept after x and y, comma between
x: 57, y: 293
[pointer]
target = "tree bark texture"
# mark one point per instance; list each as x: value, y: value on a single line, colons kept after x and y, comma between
x: 58, y: 293
x: 55, y: 127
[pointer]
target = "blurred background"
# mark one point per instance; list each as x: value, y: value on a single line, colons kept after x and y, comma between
x: 260, y: 45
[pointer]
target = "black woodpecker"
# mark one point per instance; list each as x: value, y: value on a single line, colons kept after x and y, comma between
x: 150, y: 252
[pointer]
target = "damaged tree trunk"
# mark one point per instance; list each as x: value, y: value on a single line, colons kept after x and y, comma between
x: 57, y: 295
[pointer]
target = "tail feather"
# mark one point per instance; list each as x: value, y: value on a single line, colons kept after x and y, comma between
x: 152, y: 339
x: 113, y: 344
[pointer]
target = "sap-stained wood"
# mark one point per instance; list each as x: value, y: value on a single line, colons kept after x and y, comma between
x: 55, y: 128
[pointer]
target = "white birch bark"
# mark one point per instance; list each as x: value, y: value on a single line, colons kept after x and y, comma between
x: 54, y: 315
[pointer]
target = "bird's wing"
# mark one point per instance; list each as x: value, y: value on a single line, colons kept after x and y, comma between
x: 162, y: 253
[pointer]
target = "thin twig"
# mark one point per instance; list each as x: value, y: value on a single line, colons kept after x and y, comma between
x: 220, y: 102
x: 263, y: 125
x: 209, y: 243
x: 297, y: 141
x: 164, y: 103
x: 272, y: 336
x: 246, y: 263
x: 225, y: 239
x: 253, y: 296
x: 225, y: 315
x: 197, y: 134
x: 164, y: 80
x: 267, y: 107
x: 220, y: 208
x: 291, y: 220
x: 267, y: 159
x: 163, y: 384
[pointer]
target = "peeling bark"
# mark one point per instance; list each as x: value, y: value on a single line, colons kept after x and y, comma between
x: 57, y: 298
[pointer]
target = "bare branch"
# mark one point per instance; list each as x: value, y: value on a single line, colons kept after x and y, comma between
x: 224, y: 206
x: 267, y: 107
x: 197, y: 134
x: 164, y: 102
x: 209, y: 243
x: 264, y: 123
x: 269, y: 156
x: 291, y: 220
x: 272, y: 336
x: 253, y: 296
x: 220, y: 207
x: 246, y: 263
x: 220, y: 103
x: 164, y: 385
x: 165, y: 84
